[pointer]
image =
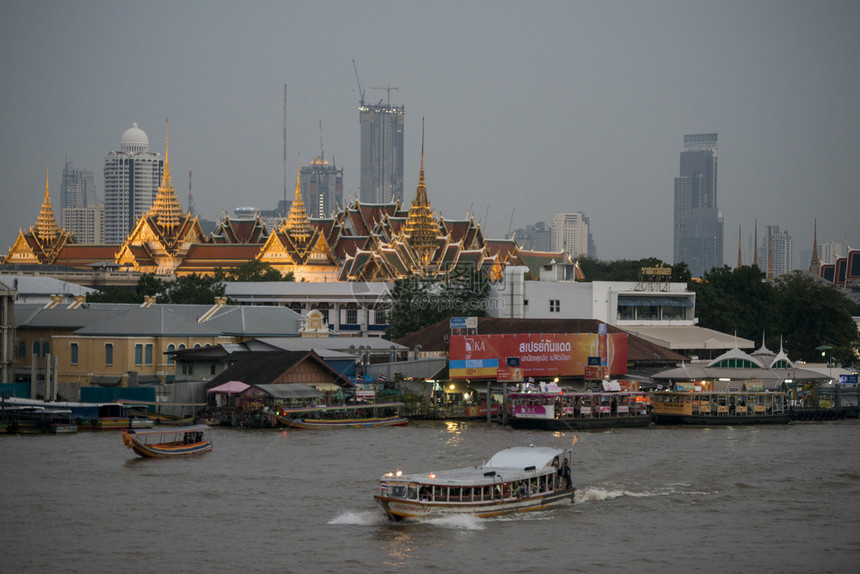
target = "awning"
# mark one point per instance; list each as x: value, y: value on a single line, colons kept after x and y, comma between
x: 633, y: 301
x: 687, y: 337
x: 325, y: 387
x: 229, y: 388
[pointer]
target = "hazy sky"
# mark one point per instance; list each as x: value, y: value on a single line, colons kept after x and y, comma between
x: 530, y: 107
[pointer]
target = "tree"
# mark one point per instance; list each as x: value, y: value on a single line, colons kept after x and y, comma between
x: 194, y: 289
x: 412, y: 307
x: 812, y: 313
x: 736, y: 301
x: 417, y: 302
x: 253, y: 270
x: 621, y: 270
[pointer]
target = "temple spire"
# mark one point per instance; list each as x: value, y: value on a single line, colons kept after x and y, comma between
x: 755, y: 244
x: 815, y: 264
x: 297, y: 223
x: 769, y: 253
x: 46, y: 223
x: 166, y: 208
x: 421, y: 228
x: 740, y: 258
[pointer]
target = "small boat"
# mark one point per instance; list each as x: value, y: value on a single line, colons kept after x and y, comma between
x: 518, y: 479
x: 167, y: 443
x: 31, y: 419
x: 361, y: 415
x: 720, y: 407
x: 570, y: 411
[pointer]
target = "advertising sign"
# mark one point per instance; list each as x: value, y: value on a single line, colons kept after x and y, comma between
x: 848, y: 379
x: 463, y: 323
x: 540, y: 355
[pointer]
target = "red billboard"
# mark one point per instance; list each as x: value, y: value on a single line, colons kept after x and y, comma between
x: 540, y: 354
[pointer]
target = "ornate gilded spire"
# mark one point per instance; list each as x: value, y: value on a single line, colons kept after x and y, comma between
x: 46, y: 223
x: 166, y: 208
x: 740, y: 258
x: 815, y: 264
x: 421, y: 227
x: 297, y: 223
x: 755, y: 244
x: 769, y: 253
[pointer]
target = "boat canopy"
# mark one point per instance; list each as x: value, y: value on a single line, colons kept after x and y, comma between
x: 521, y: 457
x: 230, y: 388
x: 170, y: 430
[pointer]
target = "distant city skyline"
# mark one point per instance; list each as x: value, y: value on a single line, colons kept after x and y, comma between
x: 580, y: 111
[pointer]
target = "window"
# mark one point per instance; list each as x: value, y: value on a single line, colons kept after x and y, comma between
x: 35, y: 348
x: 74, y: 349
x: 212, y: 369
x: 147, y: 355
x: 352, y: 316
x: 138, y: 354
x: 554, y: 305
x: 46, y: 348
x: 324, y: 313
x: 381, y: 315
x: 22, y: 349
x: 170, y: 349
x: 108, y: 353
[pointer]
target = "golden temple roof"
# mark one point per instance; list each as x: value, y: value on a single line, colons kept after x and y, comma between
x: 46, y: 223
x: 166, y: 209
x: 297, y: 222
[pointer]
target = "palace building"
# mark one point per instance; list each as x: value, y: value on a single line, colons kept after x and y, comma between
x: 361, y: 242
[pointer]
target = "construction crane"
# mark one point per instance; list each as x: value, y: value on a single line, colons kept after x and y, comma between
x: 360, y: 89
x: 387, y: 88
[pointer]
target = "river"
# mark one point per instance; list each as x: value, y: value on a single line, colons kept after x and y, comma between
x: 722, y: 499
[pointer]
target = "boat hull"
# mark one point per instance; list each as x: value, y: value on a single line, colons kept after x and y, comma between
x: 721, y: 420
x: 398, y: 509
x: 341, y: 423
x: 170, y: 450
x: 577, y: 424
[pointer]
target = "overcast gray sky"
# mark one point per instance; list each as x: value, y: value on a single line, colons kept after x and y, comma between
x: 530, y: 107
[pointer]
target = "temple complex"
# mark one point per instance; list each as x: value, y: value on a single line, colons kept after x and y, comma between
x: 363, y: 242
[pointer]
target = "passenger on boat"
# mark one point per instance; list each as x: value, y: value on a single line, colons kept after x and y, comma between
x: 566, y: 474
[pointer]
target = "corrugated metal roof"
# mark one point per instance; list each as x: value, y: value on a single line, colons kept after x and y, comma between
x: 157, y: 320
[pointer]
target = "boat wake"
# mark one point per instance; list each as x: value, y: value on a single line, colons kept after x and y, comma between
x: 595, y: 493
x: 375, y: 518
x: 361, y: 518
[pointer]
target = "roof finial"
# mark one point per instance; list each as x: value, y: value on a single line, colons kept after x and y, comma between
x: 46, y: 223
x: 815, y: 264
x: 166, y: 208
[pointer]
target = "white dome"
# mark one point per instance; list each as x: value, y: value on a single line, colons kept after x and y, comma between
x: 134, y: 140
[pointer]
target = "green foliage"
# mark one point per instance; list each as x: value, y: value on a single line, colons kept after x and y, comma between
x: 804, y: 311
x: 417, y: 303
x: 114, y: 294
x: 194, y: 289
x: 737, y: 301
x: 621, y: 270
x: 813, y: 313
x: 253, y: 270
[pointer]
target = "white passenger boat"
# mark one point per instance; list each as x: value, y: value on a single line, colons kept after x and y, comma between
x: 517, y: 479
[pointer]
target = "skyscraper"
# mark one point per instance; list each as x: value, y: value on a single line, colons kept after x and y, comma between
x: 570, y: 234
x: 381, y: 152
x: 777, y: 249
x: 322, y: 187
x: 77, y: 188
x: 132, y: 177
x: 698, y: 225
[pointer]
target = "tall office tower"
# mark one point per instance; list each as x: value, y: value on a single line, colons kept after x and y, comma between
x: 570, y: 234
x: 537, y: 237
x: 322, y: 187
x: 698, y: 226
x: 132, y: 177
x: 85, y: 223
x: 780, y: 249
x: 77, y: 189
x: 381, y: 152
x: 829, y: 252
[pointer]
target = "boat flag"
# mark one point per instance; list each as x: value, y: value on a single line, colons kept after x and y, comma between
x: 578, y: 275
x: 382, y: 378
x: 575, y: 440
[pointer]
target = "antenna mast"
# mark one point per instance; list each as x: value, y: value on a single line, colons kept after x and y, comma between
x: 322, y: 151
